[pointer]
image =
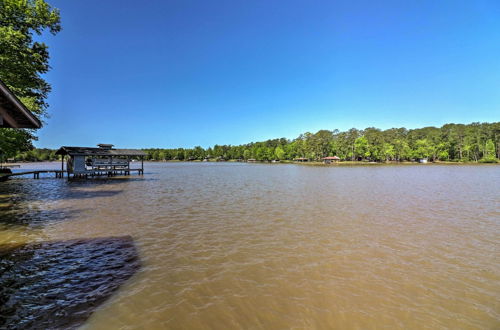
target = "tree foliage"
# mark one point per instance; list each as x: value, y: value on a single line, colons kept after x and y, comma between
x: 452, y: 142
x: 477, y: 142
x: 23, y: 60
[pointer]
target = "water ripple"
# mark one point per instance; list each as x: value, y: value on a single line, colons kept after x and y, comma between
x: 286, y: 246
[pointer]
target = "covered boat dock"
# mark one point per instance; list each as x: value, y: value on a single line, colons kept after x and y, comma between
x: 104, y: 160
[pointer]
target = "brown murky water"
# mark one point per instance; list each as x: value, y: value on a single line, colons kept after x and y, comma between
x: 232, y: 245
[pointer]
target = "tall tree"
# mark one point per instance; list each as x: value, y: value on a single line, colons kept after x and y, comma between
x: 489, y: 152
x: 279, y: 153
x: 23, y: 60
x: 361, y: 147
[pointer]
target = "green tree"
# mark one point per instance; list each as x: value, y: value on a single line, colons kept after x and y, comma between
x: 13, y: 141
x: 261, y: 153
x: 279, y: 153
x: 23, y: 61
x: 442, y: 151
x: 375, y: 139
x: 361, y: 147
x: 198, y: 152
x: 489, y: 152
x: 350, y: 140
x: 321, y: 143
x: 423, y: 149
x: 388, y: 151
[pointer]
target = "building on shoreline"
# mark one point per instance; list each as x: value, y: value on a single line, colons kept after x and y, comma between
x: 13, y: 113
x: 330, y: 159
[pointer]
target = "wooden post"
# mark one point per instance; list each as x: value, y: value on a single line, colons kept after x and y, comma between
x: 142, y: 164
x: 110, y: 161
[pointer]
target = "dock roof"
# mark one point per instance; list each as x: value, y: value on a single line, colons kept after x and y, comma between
x: 13, y: 113
x: 88, y: 151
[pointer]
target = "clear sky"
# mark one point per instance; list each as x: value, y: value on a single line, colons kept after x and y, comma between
x: 185, y: 73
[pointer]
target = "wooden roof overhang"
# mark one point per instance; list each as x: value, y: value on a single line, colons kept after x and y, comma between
x: 13, y: 113
x: 84, y: 151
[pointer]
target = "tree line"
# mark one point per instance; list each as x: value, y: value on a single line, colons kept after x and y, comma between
x: 37, y: 155
x: 478, y: 142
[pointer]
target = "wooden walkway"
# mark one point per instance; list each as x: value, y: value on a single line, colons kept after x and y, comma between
x: 109, y: 172
x: 36, y: 174
x: 60, y: 173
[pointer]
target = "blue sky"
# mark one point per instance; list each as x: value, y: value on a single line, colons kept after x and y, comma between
x: 186, y: 73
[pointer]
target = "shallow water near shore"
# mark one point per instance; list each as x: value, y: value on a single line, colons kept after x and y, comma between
x: 236, y: 245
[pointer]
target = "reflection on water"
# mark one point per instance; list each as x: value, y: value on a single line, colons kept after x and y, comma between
x: 280, y: 246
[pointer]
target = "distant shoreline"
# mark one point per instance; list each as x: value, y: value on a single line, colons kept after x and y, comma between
x: 308, y: 163
x: 320, y: 163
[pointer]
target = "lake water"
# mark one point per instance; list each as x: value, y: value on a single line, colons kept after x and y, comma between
x: 234, y: 245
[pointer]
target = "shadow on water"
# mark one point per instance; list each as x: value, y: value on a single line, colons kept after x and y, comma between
x: 34, y: 217
x: 35, y: 202
x: 50, y: 190
x: 59, y: 284
x: 108, y: 180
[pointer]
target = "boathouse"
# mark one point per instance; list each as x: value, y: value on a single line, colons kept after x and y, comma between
x: 13, y: 113
x: 104, y: 160
x: 330, y: 159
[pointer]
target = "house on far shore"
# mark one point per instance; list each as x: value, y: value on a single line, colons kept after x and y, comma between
x: 13, y: 113
x: 330, y: 159
x: 301, y: 159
